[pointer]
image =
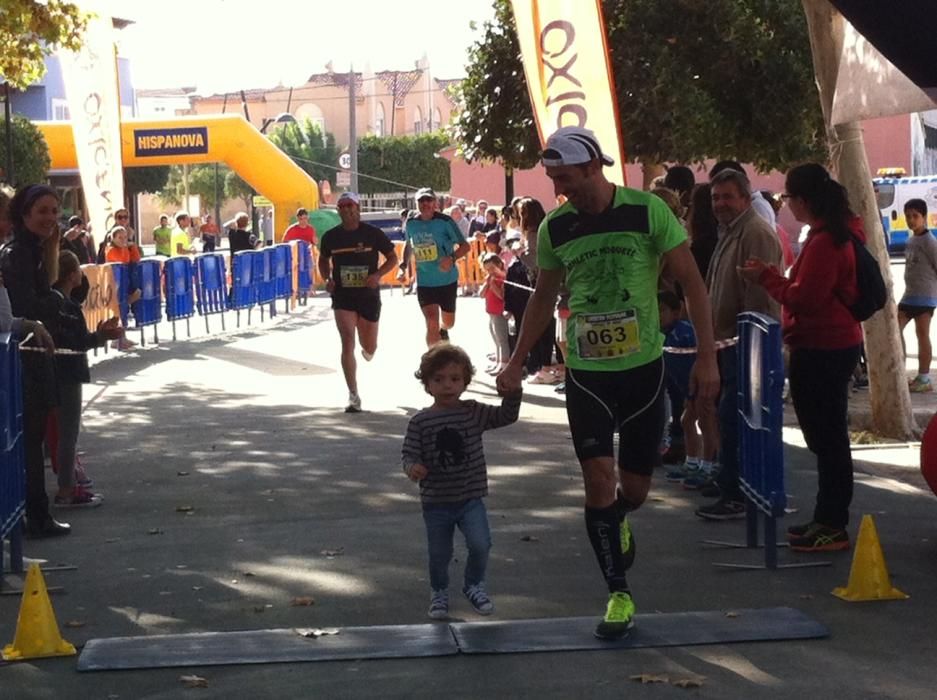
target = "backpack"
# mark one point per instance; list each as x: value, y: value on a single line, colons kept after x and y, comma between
x: 870, y: 283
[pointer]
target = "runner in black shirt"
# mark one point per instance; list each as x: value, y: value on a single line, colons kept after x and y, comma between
x: 348, y: 260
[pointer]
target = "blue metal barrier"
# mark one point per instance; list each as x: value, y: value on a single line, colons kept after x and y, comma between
x: 210, y: 286
x: 283, y: 273
x: 243, y: 294
x: 12, y: 465
x: 180, y: 297
x: 148, y: 310
x: 122, y: 278
x: 304, y: 267
x: 265, y: 281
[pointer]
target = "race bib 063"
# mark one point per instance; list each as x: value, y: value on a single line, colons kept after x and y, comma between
x: 606, y: 336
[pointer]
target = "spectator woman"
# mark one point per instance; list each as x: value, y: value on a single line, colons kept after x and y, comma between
x: 824, y: 341
x: 29, y: 263
x: 702, y: 227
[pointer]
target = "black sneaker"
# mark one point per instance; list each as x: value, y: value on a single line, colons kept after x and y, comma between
x: 799, y: 530
x: 443, y: 334
x: 723, y: 509
x: 820, y: 538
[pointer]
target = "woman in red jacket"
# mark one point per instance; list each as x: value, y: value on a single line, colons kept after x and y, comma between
x: 824, y: 341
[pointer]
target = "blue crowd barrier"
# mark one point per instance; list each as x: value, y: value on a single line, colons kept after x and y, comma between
x: 211, y: 286
x: 12, y: 465
x: 243, y: 295
x: 148, y: 310
x: 122, y: 278
x: 180, y: 296
x: 304, y: 280
x: 264, y: 280
x: 283, y: 272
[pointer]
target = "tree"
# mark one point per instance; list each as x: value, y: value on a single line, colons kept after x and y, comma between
x: 408, y: 160
x: 151, y: 179
x: 30, y: 30
x: 236, y: 188
x: 30, y: 152
x: 315, y: 153
x: 201, y: 184
x: 694, y: 80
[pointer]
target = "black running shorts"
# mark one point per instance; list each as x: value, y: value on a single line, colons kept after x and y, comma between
x: 367, y: 306
x: 444, y: 296
x: 631, y: 402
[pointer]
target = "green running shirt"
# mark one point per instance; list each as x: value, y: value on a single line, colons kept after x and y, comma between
x: 612, y: 263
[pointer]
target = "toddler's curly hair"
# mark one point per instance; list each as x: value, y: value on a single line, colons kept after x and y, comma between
x: 440, y: 355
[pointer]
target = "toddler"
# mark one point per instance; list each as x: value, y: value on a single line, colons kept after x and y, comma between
x: 443, y: 452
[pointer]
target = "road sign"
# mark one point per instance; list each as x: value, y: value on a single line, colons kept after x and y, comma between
x: 343, y: 179
x: 344, y: 161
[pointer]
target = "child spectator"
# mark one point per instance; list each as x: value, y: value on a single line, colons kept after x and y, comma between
x: 443, y: 451
x: 68, y: 329
x: 121, y: 250
x: 493, y: 292
x: 699, y: 466
x: 920, y: 293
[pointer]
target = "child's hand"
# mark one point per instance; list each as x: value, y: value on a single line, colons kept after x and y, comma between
x: 417, y: 472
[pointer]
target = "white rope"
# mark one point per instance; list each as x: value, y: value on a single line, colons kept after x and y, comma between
x: 32, y: 348
x: 719, y: 345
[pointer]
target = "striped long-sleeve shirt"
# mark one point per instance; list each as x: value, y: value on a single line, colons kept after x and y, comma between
x: 448, y: 442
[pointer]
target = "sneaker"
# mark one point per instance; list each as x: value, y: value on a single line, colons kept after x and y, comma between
x: 479, y: 599
x: 675, y: 454
x: 723, y: 509
x: 444, y: 334
x: 820, y: 538
x: 560, y: 388
x: 628, y: 546
x: 80, y: 498
x: 439, y: 605
x: 544, y: 377
x: 680, y: 473
x: 619, y: 617
x: 81, y: 477
x: 799, y: 530
x: 354, y: 403
x: 920, y: 385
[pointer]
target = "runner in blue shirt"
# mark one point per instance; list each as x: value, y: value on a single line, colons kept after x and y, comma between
x: 436, y: 243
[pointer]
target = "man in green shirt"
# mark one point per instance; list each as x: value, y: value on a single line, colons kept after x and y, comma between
x: 162, y: 235
x: 611, y: 242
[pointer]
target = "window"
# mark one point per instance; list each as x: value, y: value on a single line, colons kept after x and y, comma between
x: 60, y: 111
x: 379, y: 120
x: 437, y: 119
x: 417, y: 121
x: 313, y: 113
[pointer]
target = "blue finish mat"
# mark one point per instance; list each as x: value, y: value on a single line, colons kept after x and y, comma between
x: 655, y: 630
x: 412, y: 641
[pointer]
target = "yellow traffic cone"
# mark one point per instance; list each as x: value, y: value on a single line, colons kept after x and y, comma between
x: 37, y: 632
x: 868, y: 577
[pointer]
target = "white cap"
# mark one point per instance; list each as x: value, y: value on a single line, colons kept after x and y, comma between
x: 349, y: 197
x: 573, y: 145
x: 425, y: 192
x: 512, y: 235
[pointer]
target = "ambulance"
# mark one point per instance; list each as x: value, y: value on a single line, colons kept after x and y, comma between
x: 892, y: 190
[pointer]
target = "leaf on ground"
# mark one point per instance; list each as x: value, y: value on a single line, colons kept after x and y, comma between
x: 154, y: 531
x: 302, y: 602
x: 193, y: 681
x: 332, y: 553
x: 316, y: 632
x: 530, y: 538
x: 75, y: 624
x: 182, y: 473
x: 732, y: 613
x: 650, y: 678
x: 184, y: 509
x: 197, y: 588
x: 688, y: 682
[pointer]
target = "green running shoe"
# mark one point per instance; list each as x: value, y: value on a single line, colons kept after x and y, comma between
x: 619, y: 617
x: 628, y: 546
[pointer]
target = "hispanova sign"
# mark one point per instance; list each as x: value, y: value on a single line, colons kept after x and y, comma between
x: 170, y: 142
x: 568, y: 75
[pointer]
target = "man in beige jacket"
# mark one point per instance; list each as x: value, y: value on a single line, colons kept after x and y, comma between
x: 743, y: 234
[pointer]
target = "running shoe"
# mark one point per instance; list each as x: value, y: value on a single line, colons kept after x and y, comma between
x: 628, y: 546
x: 920, y: 385
x: 679, y: 473
x: 619, y: 617
x: 560, y: 388
x: 354, y: 403
x: 479, y: 599
x: 80, y: 498
x: 723, y: 509
x: 444, y: 334
x: 799, y: 530
x: 439, y: 605
x: 820, y: 538
x: 544, y: 377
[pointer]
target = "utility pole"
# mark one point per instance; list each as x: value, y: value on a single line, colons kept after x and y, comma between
x: 352, y: 130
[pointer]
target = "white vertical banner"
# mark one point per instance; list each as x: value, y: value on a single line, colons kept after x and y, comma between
x: 569, y: 77
x: 90, y: 77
